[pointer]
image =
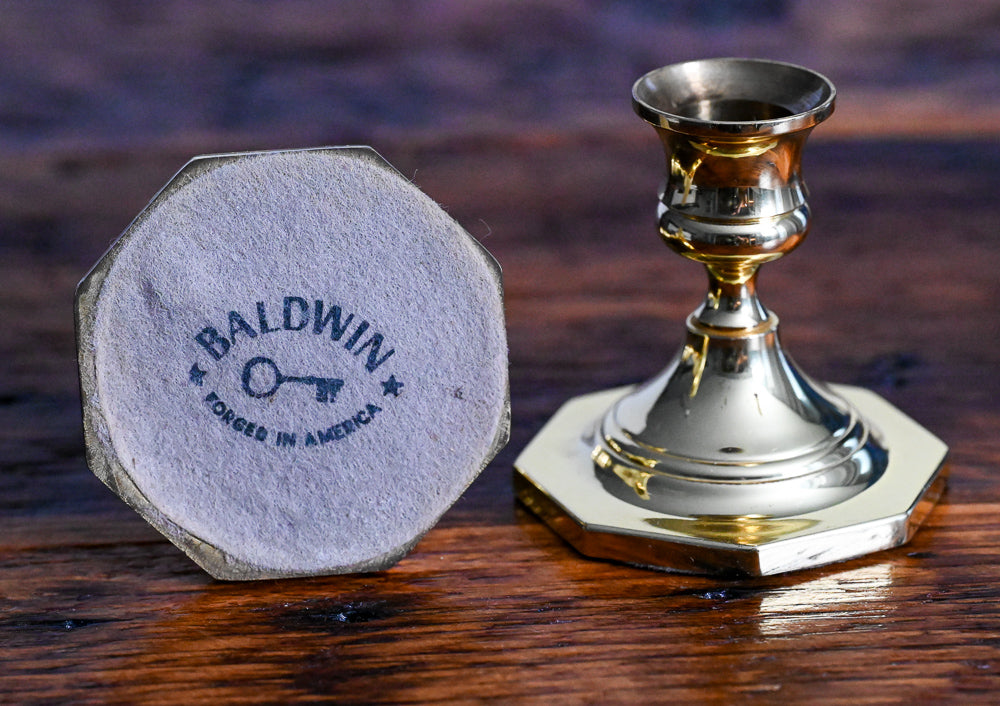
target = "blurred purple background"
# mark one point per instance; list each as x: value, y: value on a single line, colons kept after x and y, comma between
x: 230, y: 73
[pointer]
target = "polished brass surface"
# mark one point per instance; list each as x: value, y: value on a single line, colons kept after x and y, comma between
x: 731, y: 459
x: 554, y: 479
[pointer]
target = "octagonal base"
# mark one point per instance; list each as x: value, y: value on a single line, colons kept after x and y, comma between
x: 554, y: 477
x: 292, y: 363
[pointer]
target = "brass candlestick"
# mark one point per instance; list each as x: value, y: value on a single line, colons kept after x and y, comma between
x: 731, y: 459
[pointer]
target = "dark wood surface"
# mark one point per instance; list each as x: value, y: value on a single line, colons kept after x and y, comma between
x: 517, y: 121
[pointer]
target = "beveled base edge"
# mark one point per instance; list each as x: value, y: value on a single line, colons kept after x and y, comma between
x: 554, y: 477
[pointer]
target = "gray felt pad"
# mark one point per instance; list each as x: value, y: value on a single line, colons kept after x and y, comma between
x: 293, y: 363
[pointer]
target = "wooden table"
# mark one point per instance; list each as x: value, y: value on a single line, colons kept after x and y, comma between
x: 896, y: 289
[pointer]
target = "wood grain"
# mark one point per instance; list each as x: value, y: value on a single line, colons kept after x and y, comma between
x: 896, y: 289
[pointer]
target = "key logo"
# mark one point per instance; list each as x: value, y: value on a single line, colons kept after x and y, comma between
x: 326, y: 388
x: 236, y: 393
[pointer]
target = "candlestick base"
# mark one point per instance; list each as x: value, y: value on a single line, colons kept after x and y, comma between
x: 555, y: 478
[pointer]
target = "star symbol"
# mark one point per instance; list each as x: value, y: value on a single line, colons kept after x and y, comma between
x: 391, y: 385
x: 196, y: 374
